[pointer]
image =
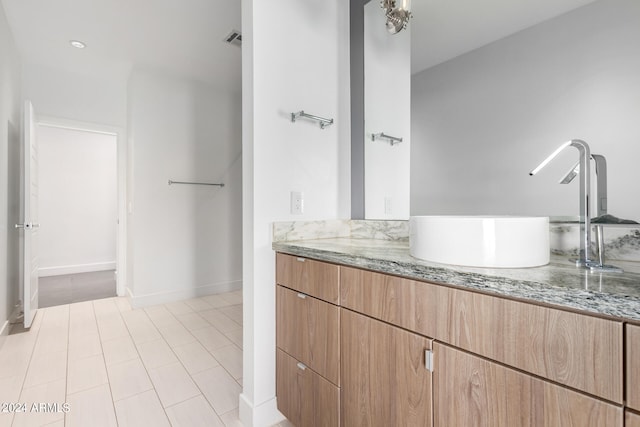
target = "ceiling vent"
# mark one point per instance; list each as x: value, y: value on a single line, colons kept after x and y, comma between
x: 234, y: 38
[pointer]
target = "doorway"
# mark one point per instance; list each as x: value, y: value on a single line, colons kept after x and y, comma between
x: 78, y: 209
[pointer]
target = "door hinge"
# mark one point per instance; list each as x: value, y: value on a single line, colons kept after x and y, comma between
x: 428, y: 360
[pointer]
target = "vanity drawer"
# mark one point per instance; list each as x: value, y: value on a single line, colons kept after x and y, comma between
x: 579, y: 351
x: 309, y: 330
x: 304, y: 397
x: 633, y: 367
x: 315, y: 278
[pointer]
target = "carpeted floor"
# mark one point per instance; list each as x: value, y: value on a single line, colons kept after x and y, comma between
x: 69, y: 288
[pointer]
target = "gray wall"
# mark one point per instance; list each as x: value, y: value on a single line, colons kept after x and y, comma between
x: 356, y: 57
x: 482, y: 121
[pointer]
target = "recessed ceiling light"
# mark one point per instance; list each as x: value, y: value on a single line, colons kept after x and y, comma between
x: 77, y: 43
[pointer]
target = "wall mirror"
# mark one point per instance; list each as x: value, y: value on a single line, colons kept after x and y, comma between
x: 494, y: 88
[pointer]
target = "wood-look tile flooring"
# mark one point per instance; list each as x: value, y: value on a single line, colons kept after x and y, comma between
x: 70, y: 288
x: 175, y: 364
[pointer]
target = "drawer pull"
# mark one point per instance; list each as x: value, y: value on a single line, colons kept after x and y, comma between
x: 302, y: 366
x: 302, y: 296
x: 300, y: 259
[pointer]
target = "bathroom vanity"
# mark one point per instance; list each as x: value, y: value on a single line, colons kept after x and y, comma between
x: 367, y: 335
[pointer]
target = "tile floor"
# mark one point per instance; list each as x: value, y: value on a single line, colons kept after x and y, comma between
x: 70, y: 288
x: 176, y: 364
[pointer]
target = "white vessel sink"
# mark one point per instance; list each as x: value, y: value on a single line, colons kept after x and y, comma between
x: 481, y: 241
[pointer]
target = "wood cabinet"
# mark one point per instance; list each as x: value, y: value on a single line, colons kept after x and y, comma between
x: 633, y: 366
x: 304, y: 397
x: 631, y: 419
x: 309, y: 330
x: 471, y: 391
x: 579, y: 351
x: 308, y: 341
x: 351, y: 350
x: 384, y: 378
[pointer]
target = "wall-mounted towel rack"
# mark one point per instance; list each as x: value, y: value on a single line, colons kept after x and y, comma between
x: 194, y: 183
x: 323, y: 122
x: 391, y: 139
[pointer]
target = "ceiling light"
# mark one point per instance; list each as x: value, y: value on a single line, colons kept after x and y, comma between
x: 78, y: 44
x: 397, y: 17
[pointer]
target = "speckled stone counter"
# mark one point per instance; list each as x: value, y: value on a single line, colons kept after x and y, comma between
x: 560, y: 283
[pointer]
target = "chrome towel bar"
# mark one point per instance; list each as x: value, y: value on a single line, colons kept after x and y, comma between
x: 392, y: 139
x: 195, y: 183
x: 323, y: 122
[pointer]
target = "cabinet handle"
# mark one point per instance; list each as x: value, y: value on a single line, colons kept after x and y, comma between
x: 302, y: 296
x: 302, y: 366
x: 428, y: 360
x: 300, y: 259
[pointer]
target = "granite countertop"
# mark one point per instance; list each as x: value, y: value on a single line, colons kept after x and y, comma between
x: 559, y: 283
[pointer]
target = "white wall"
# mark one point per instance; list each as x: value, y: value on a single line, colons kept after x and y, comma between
x: 93, y: 99
x: 10, y: 108
x: 387, y: 108
x: 78, y: 201
x: 302, y: 65
x: 184, y: 240
x: 482, y: 121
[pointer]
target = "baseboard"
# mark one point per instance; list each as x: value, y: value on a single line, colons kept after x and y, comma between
x: 15, y: 313
x: 5, y: 328
x: 4, y: 333
x: 15, y: 320
x: 128, y: 295
x: 138, y: 301
x: 264, y: 415
x: 78, y: 268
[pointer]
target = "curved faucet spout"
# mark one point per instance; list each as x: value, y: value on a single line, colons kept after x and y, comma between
x: 582, y: 146
x: 584, y: 258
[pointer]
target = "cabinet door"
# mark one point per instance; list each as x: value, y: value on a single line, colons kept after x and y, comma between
x: 471, y: 391
x: 304, y: 397
x: 633, y: 367
x: 631, y: 419
x: 315, y: 278
x: 384, y: 378
x: 308, y: 329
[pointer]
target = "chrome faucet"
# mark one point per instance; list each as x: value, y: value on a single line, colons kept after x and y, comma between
x: 601, y: 181
x: 584, y: 257
x: 601, y: 208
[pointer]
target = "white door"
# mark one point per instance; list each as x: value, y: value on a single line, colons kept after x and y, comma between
x: 30, y: 225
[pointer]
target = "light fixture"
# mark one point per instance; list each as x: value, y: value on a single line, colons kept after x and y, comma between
x: 397, y: 17
x: 77, y: 44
